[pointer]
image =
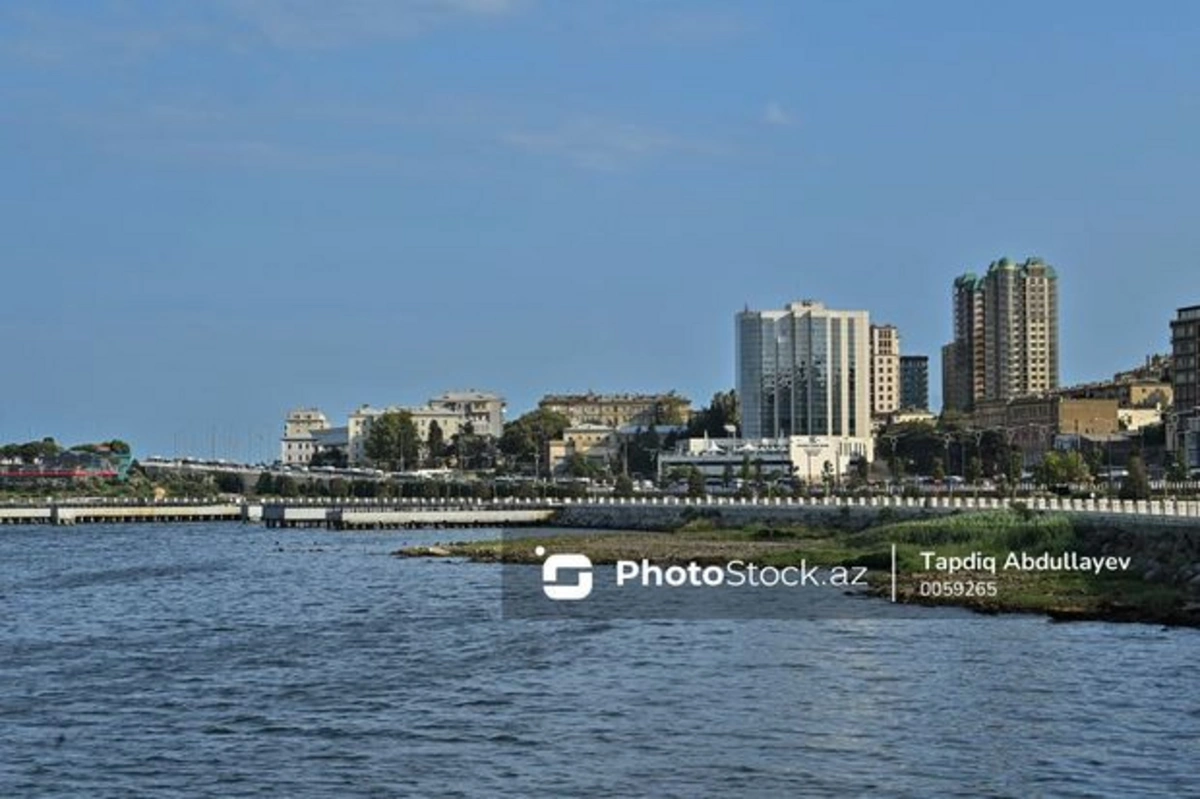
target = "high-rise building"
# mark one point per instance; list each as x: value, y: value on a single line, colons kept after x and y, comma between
x: 804, y: 371
x: 1005, y: 334
x: 962, y: 359
x: 1185, y: 383
x: 885, y: 370
x: 914, y: 381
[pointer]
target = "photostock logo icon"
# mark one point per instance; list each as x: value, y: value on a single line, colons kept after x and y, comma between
x: 581, y: 565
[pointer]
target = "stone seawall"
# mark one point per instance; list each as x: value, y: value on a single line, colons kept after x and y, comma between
x: 670, y: 517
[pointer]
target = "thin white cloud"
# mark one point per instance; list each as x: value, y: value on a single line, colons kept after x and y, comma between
x: 602, y: 145
x: 774, y: 114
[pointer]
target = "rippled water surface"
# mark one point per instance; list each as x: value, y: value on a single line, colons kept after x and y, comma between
x: 222, y: 660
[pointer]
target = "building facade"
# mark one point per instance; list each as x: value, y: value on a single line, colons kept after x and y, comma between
x: 298, y: 445
x: 480, y: 409
x: 1033, y: 424
x: 804, y: 371
x: 962, y: 359
x: 619, y: 410
x: 1005, y: 334
x: 885, y: 370
x: 598, y: 444
x: 811, y: 459
x: 717, y: 458
x: 1184, y: 430
x: 453, y: 412
x: 914, y: 382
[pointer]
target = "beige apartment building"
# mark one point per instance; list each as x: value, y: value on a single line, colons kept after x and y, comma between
x: 1005, y: 335
x: 307, y: 430
x: 619, y: 410
x: 1032, y: 423
x: 298, y: 444
x: 599, y: 444
x: 885, y: 370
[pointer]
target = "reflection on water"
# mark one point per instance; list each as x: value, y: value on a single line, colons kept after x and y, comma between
x: 212, y: 661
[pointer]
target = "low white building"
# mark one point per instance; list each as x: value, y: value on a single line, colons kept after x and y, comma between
x: 714, y: 456
x: 804, y: 457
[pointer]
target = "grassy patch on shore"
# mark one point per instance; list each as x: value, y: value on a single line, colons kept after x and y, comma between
x: 1117, y: 596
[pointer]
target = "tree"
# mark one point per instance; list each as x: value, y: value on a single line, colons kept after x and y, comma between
x: 695, y: 481
x: 974, y: 470
x: 938, y: 472
x: 723, y: 410
x: 860, y: 469
x: 577, y: 465
x: 524, y: 439
x: 641, y: 450
x: 265, y: 484
x: 1095, y: 461
x: 1014, y: 468
x: 623, y: 486
x: 918, y: 443
x: 329, y: 457
x: 670, y: 411
x: 392, y: 441
x: 1177, y: 472
x: 285, y: 486
x: 727, y: 476
x: 1062, y: 468
x: 469, y: 448
x: 228, y: 482
x: 435, y: 443
x: 1137, y: 484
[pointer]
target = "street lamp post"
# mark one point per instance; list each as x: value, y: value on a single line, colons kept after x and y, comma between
x: 947, y: 438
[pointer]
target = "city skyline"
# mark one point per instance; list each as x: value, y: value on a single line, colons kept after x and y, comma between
x: 217, y: 212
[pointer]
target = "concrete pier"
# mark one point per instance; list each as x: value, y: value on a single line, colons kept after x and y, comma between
x: 71, y: 513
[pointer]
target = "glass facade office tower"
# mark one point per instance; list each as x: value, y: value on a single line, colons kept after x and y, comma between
x: 804, y: 371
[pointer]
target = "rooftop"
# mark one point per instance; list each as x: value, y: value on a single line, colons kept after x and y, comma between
x: 592, y: 396
x: 470, y: 395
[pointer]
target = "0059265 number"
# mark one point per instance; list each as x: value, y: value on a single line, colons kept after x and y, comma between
x: 936, y: 588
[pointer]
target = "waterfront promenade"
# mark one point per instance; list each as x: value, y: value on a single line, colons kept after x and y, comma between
x: 351, y: 513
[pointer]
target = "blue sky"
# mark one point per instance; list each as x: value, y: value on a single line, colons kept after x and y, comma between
x: 214, y: 211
